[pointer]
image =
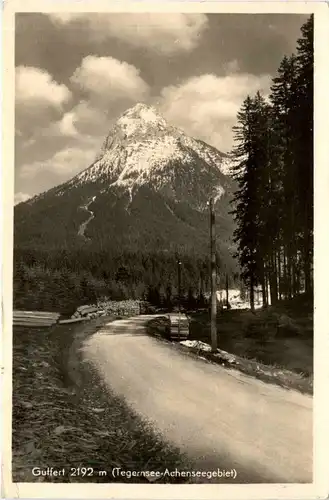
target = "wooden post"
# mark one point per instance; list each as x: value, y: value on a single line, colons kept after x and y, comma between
x: 179, y: 293
x: 213, y: 321
x: 226, y: 286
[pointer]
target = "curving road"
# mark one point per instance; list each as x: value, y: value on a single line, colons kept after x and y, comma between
x: 220, y: 418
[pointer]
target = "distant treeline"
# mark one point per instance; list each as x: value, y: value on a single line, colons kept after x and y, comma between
x: 273, y: 206
x: 63, y: 279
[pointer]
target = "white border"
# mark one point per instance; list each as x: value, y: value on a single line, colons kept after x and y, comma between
x: 319, y: 488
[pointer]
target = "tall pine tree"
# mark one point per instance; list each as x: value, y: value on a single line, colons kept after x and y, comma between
x: 274, y: 170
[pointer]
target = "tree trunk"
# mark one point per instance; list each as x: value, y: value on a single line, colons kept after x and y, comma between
x: 263, y: 286
x: 226, y: 284
x: 252, y: 294
x: 267, y: 286
x: 297, y: 280
x: 264, y: 294
x: 307, y: 264
x: 284, y: 273
x: 279, y: 273
x: 289, y: 272
x: 295, y: 285
x: 273, y: 280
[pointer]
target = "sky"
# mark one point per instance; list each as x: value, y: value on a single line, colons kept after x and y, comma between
x: 77, y: 73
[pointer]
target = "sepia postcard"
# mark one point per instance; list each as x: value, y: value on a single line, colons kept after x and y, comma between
x: 165, y: 241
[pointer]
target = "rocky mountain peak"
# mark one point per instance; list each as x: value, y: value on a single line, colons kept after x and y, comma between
x: 150, y: 184
x: 142, y: 149
x: 140, y: 118
x: 135, y: 125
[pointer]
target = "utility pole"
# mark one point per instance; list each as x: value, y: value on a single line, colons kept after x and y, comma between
x: 179, y: 264
x: 213, y: 321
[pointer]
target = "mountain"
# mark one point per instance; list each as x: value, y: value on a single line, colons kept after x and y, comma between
x: 147, y: 190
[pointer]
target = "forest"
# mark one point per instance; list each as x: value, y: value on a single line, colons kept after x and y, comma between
x: 273, y: 206
x: 63, y: 279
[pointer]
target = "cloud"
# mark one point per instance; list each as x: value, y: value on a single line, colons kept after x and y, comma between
x: 109, y: 85
x: 206, y: 106
x: 36, y: 87
x: 39, y: 99
x: 20, y: 197
x: 65, y: 127
x: 66, y: 17
x: 105, y: 80
x: 89, y: 120
x: 81, y: 122
x: 64, y: 163
x: 167, y: 33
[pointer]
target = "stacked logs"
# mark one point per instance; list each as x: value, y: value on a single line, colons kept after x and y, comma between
x: 106, y: 307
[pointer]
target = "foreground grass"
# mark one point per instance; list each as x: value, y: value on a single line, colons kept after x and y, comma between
x: 63, y: 417
x: 274, y: 345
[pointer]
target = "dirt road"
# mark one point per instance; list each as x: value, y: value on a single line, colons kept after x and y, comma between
x: 220, y: 418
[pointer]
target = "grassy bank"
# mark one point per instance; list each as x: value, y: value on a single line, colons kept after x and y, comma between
x: 63, y: 417
x: 274, y: 336
x: 275, y: 344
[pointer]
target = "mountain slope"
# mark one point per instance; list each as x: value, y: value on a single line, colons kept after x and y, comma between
x: 147, y: 190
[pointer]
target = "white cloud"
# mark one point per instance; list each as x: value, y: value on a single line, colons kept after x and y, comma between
x: 89, y: 120
x: 28, y: 142
x: 80, y: 122
x: 65, y: 127
x: 65, y: 17
x: 106, y: 80
x: 206, y: 106
x: 36, y: 87
x: 39, y: 100
x: 168, y: 33
x: 19, y: 197
x: 64, y: 163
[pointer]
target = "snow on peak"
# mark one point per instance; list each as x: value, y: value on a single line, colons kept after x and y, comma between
x: 141, y: 148
x: 144, y: 112
x: 140, y: 119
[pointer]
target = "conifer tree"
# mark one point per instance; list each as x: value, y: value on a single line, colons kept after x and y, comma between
x: 253, y: 209
x: 304, y: 144
x: 273, y: 206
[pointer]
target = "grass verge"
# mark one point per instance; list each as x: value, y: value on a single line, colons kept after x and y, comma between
x: 275, y: 346
x: 63, y: 417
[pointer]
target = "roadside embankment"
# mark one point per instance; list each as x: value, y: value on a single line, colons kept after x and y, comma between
x: 63, y: 417
x: 273, y: 345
